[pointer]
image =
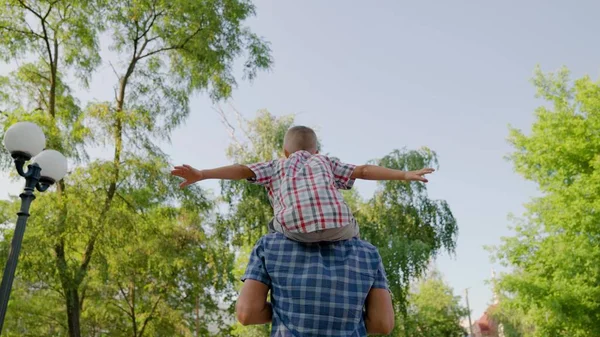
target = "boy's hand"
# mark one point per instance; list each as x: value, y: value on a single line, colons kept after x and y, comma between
x: 190, y: 174
x: 418, y: 175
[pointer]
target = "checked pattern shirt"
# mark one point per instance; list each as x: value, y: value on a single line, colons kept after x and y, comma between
x: 304, y: 191
x: 317, y: 289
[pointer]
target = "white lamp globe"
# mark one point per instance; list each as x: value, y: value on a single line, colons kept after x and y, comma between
x: 53, y: 165
x: 26, y: 138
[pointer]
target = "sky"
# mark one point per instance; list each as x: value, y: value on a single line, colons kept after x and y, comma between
x: 374, y: 76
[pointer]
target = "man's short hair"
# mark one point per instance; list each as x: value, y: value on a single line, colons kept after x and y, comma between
x: 300, y: 138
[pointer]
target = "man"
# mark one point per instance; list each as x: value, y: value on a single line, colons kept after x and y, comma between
x: 317, y: 289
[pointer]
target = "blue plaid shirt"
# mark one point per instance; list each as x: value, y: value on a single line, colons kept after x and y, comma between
x: 317, y: 289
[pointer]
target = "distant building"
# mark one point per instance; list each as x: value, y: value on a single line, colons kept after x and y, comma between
x: 486, y: 325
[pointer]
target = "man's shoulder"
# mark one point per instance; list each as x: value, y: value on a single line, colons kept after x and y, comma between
x: 271, y: 238
x: 365, y: 246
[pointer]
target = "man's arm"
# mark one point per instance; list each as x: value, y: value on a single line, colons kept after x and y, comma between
x: 252, y: 306
x: 374, y: 172
x: 231, y: 172
x: 379, y: 317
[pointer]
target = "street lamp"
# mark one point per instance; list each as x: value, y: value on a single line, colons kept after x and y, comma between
x: 24, y: 141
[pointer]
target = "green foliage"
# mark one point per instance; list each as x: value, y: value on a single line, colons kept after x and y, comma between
x: 408, y: 228
x: 237, y: 329
x: 150, y: 266
x: 554, y: 254
x: 434, y: 310
x: 50, y: 39
x: 250, y: 208
x: 42, y: 28
x: 190, y: 44
x: 117, y: 249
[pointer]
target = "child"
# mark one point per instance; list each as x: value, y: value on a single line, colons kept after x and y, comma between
x: 303, y: 187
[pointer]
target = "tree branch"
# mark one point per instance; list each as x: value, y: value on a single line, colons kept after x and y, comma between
x: 24, y: 32
x: 125, y: 297
x: 65, y: 16
x: 225, y: 121
x: 150, y: 316
x: 177, y: 46
x: 24, y: 5
x: 240, y: 120
x: 114, y: 69
x: 49, y: 9
x: 87, y: 257
x: 132, y: 206
x: 42, y: 99
x: 81, y: 298
x: 47, y: 41
x: 122, y: 309
x: 43, y: 22
x: 53, y: 319
x: 37, y: 73
x: 61, y: 264
x: 154, y: 16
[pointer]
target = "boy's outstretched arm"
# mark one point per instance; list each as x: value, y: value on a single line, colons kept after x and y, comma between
x: 374, y: 172
x: 192, y: 175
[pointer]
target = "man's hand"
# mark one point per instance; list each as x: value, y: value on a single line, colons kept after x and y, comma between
x: 419, y: 175
x: 188, y: 173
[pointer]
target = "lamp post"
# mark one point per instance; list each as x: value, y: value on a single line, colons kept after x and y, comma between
x: 24, y: 141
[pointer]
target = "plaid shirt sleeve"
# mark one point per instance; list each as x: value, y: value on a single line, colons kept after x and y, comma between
x: 380, y: 278
x: 256, y: 269
x: 342, y: 173
x: 263, y: 171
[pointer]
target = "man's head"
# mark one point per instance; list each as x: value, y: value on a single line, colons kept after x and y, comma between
x: 300, y: 138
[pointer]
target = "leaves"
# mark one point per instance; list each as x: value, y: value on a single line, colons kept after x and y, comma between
x: 434, y: 310
x: 408, y: 228
x: 554, y: 254
x: 250, y: 208
x: 117, y: 248
x: 198, y: 40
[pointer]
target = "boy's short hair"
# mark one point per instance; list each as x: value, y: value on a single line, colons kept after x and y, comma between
x: 300, y: 138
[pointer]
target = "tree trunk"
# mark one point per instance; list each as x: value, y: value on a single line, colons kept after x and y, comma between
x: 53, y: 81
x: 197, y: 316
x: 133, y: 317
x: 73, y: 311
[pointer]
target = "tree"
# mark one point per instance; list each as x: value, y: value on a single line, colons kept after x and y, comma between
x: 169, y: 49
x: 554, y: 256
x: 408, y: 228
x: 434, y: 310
x: 237, y: 329
x: 261, y: 139
x: 250, y: 210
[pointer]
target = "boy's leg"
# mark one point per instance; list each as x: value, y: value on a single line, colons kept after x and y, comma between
x: 338, y: 234
x: 335, y: 234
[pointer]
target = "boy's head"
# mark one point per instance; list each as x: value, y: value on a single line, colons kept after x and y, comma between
x: 300, y: 138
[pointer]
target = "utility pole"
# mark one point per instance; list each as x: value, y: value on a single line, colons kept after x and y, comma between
x: 469, y: 312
